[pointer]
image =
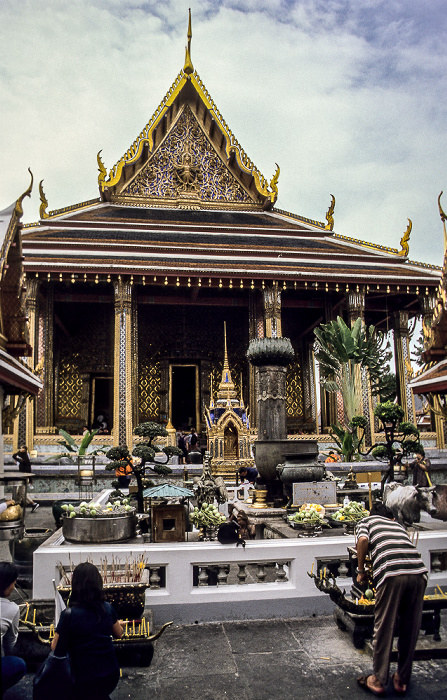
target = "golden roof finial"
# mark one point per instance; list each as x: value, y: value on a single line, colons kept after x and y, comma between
x: 188, y: 68
x: 443, y: 219
x: 43, y: 202
x: 274, y: 185
x: 404, y: 240
x: 18, y: 209
x: 102, y: 171
x: 329, y: 218
x: 226, y: 386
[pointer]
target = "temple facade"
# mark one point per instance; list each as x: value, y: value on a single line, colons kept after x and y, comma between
x: 127, y: 294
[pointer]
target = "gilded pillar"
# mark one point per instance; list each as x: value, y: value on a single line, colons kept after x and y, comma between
x: 255, y: 330
x: 427, y: 305
x: 355, y: 306
x: 48, y: 353
x: 328, y: 400
x: 403, y: 365
x: 272, y: 311
x: 309, y: 388
x: 135, y: 362
x: 122, y: 367
x: 32, y: 291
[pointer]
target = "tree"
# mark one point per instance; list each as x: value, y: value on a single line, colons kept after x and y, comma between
x: 342, y: 352
x: 401, y: 437
x: 145, y: 453
x: 349, y: 439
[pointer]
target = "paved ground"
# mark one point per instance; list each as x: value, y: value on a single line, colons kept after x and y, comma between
x: 257, y: 660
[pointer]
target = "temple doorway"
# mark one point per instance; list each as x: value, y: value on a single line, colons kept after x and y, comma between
x: 184, y: 396
x: 101, y: 401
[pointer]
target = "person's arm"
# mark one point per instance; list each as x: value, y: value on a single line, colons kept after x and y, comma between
x: 54, y: 641
x: 362, y: 551
x: 10, y: 637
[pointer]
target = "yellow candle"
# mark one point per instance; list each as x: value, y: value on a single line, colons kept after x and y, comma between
x: 133, y: 626
x: 27, y: 612
x: 312, y: 568
x: 34, y: 616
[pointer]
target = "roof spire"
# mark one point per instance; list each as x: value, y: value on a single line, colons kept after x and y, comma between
x: 188, y: 67
x: 443, y: 219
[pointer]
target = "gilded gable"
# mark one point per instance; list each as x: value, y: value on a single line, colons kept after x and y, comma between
x: 185, y: 168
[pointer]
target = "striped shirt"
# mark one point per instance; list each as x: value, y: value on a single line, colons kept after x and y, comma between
x: 390, y: 549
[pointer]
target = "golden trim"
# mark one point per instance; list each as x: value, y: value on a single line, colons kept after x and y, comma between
x: 102, y: 171
x: 43, y: 202
x: 18, y: 209
x: 329, y: 215
x: 443, y: 219
x: 188, y: 67
x: 404, y: 240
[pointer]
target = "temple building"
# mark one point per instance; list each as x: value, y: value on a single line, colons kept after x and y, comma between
x: 127, y: 294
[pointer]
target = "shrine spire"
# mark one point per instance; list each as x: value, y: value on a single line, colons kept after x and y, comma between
x: 188, y: 68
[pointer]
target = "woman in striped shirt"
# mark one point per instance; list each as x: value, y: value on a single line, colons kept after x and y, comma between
x: 400, y: 578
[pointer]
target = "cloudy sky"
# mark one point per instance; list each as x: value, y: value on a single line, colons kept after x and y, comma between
x: 348, y: 96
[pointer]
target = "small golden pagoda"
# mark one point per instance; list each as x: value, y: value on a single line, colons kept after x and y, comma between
x: 227, y: 426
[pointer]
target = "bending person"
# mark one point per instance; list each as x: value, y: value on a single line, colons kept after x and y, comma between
x: 13, y: 667
x: 86, y: 634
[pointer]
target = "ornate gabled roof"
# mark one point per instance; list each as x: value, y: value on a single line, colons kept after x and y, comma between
x: 187, y: 156
x: 12, y: 302
x: 436, y: 335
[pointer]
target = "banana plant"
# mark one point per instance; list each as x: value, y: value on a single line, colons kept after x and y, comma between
x: 342, y: 352
x: 73, y: 450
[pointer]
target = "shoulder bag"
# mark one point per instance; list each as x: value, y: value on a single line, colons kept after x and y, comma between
x: 54, y: 679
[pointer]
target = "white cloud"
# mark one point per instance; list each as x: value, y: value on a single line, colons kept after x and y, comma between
x: 347, y: 96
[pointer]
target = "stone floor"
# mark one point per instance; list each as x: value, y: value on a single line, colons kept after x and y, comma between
x: 306, y: 659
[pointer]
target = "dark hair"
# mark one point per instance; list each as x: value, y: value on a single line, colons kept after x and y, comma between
x: 420, y: 451
x: 86, y: 586
x: 379, y: 508
x: 8, y: 574
x: 242, y: 470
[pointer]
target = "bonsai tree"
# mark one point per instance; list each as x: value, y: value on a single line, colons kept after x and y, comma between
x: 73, y: 450
x: 145, y: 453
x: 401, y: 438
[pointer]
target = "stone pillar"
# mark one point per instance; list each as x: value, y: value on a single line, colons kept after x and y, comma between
x: 355, y: 306
x: 32, y: 291
x: 122, y: 372
x: 403, y: 365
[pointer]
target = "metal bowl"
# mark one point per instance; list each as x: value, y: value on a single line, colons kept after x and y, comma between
x: 109, y: 529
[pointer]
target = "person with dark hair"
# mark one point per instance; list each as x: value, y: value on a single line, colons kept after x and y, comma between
x: 248, y: 474
x: 421, y: 469
x: 86, y: 634
x: 400, y: 578
x: 13, y: 667
x: 24, y: 463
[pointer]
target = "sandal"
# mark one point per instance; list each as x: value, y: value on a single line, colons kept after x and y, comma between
x: 399, y: 688
x: 363, y: 683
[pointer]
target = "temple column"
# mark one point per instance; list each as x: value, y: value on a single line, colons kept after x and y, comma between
x: 328, y: 400
x: 355, y: 306
x: 403, y: 365
x: 122, y: 368
x: 309, y: 388
x: 32, y: 291
x: 48, y: 369
x: 255, y: 330
x: 135, y: 397
x: 427, y: 305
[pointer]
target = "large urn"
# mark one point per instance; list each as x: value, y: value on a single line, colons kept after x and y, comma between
x: 100, y: 529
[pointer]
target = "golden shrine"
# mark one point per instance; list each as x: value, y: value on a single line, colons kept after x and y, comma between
x: 126, y: 294
x: 228, y: 427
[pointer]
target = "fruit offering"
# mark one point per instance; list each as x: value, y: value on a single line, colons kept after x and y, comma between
x: 94, y: 510
x: 309, y: 513
x: 353, y: 511
x: 207, y: 516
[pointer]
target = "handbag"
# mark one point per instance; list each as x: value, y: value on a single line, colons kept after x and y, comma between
x: 54, y: 679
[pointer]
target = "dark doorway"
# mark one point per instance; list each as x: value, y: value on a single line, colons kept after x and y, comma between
x: 102, y: 401
x: 183, y: 397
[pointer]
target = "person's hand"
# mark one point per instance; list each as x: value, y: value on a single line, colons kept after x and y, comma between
x: 11, y: 502
x: 361, y: 576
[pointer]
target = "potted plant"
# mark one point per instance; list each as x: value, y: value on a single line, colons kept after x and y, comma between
x: 143, y: 456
